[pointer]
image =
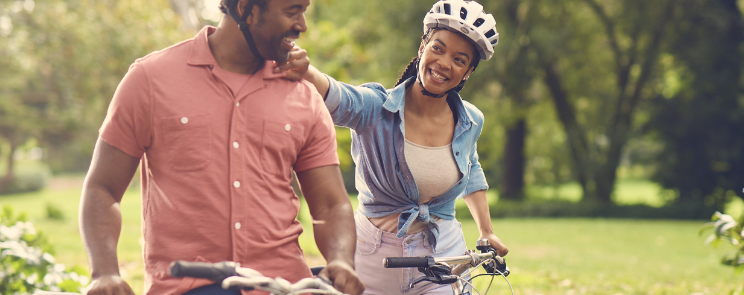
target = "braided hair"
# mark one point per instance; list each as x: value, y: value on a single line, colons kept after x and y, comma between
x: 412, y: 68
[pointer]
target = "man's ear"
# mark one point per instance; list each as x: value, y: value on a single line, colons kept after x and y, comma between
x: 241, y: 9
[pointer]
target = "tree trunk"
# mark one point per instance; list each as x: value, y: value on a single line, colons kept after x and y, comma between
x: 514, y: 161
x: 9, y: 174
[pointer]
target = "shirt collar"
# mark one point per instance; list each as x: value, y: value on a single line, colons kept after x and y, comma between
x: 397, y: 101
x: 201, y: 55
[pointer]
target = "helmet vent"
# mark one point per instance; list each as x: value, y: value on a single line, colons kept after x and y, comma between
x: 494, y: 41
x: 490, y: 33
x: 478, y: 22
x: 463, y: 13
x: 439, y: 9
x: 447, y: 9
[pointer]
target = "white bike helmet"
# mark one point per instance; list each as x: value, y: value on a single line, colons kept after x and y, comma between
x: 466, y: 17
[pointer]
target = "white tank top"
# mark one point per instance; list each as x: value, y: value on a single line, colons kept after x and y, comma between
x: 434, y: 169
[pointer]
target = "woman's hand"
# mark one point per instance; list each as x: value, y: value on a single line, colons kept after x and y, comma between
x: 496, y: 243
x: 296, y: 65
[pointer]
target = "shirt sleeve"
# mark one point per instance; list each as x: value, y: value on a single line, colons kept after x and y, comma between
x: 354, y: 107
x: 477, y: 179
x: 128, y: 120
x: 320, y: 147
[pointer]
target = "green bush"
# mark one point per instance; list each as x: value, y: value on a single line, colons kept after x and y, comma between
x: 27, y: 179
x: 53, y: 212
x: 679, y: 210
x: 26, y: 262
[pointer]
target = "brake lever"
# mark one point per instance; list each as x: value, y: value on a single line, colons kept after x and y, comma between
x: 442, y: 280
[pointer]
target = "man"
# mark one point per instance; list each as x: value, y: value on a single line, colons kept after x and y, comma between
x: 217, y: 134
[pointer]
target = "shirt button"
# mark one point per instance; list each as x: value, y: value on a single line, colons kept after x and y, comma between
x: 237, y: 225
x: 237, y: 104
x: 184, y: 120
x: 236, y: 184
x: 287, y: 127
x: 458, y: 183
x: 408, y: 242
x: 457, y: 153
x: 235, y: 144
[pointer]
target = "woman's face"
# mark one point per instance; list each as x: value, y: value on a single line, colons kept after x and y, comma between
x: 445, y: 61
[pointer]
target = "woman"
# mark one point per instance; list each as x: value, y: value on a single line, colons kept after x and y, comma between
x: 414, y: 147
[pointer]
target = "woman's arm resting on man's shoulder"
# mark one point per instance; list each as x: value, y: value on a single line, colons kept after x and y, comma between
x: 478, y: 204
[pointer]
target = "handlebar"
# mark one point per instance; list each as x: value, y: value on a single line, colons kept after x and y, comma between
x: 211, y: 271
x: 428, y: 261
x: 231, y: 275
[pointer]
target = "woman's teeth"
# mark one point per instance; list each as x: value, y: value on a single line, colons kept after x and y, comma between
x: 437, y: 76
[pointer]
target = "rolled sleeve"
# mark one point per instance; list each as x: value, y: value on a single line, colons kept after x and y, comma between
x: 355, y: 107
x: 477, y: 180
x: 333, y: 98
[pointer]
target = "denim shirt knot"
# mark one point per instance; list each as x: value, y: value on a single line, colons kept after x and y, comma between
x: 383, y: 179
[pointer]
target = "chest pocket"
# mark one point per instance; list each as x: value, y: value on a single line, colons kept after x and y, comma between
x: 187, y: 142
x: 281, y: 144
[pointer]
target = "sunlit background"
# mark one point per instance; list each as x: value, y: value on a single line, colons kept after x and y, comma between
x: 614, y: 131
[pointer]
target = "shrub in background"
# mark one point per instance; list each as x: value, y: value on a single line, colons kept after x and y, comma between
x: 26, y: 264
x: 53, y: 212
x: 726, y: 229
x: 27, y: 179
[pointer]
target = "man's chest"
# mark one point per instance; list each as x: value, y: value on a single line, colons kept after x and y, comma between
x: 214, y: 130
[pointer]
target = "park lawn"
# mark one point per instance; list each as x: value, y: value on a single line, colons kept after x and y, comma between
x: 548, y: 256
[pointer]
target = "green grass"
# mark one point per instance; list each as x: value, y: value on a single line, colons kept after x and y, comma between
x: 547, y: 256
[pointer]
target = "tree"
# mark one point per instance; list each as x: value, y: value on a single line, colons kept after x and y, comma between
x: 68, y: 57
x: 597, y: 78
x: 698, y: 114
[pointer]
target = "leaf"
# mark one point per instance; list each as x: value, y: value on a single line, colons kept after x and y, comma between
x: 710, y: 239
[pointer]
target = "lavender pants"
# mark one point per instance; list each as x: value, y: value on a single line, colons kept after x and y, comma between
x: 373, y: 245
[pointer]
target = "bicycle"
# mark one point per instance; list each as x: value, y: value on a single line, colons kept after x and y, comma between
x: 232, y: 275
x: 438, y: 270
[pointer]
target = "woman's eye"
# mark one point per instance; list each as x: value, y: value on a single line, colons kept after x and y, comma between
x: 435, y: 47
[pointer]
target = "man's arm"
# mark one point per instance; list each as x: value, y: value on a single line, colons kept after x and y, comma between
x: 478, y: 204
x: 333, y: 223
x: 110, y: 172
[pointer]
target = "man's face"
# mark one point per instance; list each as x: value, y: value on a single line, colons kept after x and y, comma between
x: 277, y: 27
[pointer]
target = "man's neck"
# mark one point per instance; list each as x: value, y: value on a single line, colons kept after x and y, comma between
x: 231, y: 51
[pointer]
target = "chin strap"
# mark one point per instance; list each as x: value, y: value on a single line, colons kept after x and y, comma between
x: 244, y: 28
x: 427, y: 93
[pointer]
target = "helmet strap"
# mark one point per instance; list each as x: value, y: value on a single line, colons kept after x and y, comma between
x: 243, y: 26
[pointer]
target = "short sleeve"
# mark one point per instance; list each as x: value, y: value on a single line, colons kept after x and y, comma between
x: 477, y: 179
x: 320, y: 147
x: 128, y: 121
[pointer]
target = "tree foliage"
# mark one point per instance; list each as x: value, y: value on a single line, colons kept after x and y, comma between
x: 698, y: 111
x: 67, y: 59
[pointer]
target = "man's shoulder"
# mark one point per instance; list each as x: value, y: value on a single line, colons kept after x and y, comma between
x: 169, y: 56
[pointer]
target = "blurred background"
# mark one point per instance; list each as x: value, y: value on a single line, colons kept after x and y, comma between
x: 613, y: 129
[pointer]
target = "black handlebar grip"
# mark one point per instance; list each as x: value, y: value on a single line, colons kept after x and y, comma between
x: 212, y: 271
x: 400, y: 262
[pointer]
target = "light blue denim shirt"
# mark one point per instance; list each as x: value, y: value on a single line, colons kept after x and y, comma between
x: 383, y: 179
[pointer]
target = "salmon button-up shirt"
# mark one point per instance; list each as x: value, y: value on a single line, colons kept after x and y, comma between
x: 216, y: 165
